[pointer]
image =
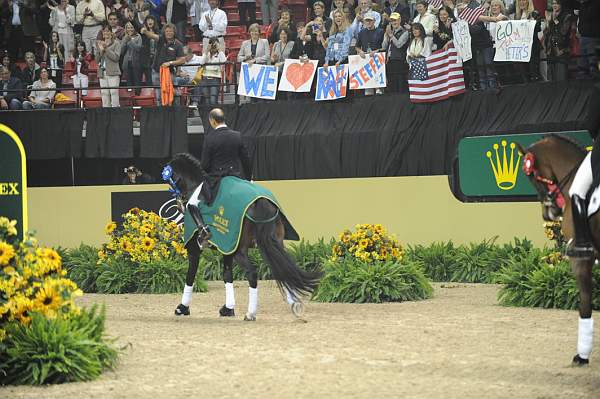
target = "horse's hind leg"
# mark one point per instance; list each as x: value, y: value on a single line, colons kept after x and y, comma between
x: 228, y: 308
x: 243, y: 260
x: 183, y: 309
x: 583, y: 274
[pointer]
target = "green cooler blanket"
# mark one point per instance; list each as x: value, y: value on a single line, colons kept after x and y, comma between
x: 224, y: 217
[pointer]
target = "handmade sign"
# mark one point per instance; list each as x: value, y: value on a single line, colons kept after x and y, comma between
x: 297, y: 76
x: 258, y: 81
x: 368, y: 72
x: 462, y: 39
x: 514, y: 40
x: 331, y: 82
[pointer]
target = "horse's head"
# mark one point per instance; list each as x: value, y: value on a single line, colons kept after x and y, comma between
x: 183, y: 174
x: 550, y: 163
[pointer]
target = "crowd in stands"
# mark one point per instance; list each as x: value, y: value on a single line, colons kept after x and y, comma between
x: 50, y: 46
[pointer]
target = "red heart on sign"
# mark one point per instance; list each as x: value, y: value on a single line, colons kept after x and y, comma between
x: 298, y: 74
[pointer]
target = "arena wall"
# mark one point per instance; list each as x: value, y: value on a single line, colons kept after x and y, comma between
x: 416, y: 209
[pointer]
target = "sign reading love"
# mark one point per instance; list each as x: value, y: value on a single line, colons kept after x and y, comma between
x: 297, y: 76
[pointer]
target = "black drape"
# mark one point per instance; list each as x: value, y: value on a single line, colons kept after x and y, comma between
x: 163, y: 131
x: 109, y: 133
x: 47, y: 134
x: 390, y: 136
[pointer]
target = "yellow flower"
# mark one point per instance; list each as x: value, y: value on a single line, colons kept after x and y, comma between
x: 363, y: 243
x: 126, y: 246
x: 9, y: 225
x: 110, y: 227
x: 148, y: 243
x: 7, y: 252
x: 47, y: 300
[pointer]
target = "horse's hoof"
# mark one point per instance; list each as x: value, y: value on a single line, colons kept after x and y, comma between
x: 250, y: 317
x: 298, y: 309
x: 226, y: 312
x: 182, y: 310
x: 577, y: 361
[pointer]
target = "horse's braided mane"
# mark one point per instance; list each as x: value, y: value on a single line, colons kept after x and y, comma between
x: 569, y: 141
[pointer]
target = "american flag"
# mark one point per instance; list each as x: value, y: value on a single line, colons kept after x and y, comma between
x: 436, y: 3
x: 442, y: 77
x: 471, y: 13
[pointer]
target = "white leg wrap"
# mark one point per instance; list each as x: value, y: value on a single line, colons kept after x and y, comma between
x: 186, y: 298
x: 252, y: 300
x: 229, y: 296
x: 585, y: 337
x: 289, y: 298
x: 583, y: 178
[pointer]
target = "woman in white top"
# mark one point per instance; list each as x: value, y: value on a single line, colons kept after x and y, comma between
x: 211, y: 79
x: 62, y: 19
x: 495, y: 15
x: 41, y: 99
x: 255, y: 49
x: 420, y: 45
x: 425, y: 18
x: 524, y: 10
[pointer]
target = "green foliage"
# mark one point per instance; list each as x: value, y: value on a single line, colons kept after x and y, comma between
x: 438, y: 259
x: 82, y: 266
x: 474, y: 263
x: 355, y: 281
x: 311, y: 257
x: 50, y: 351
x: 165, y: 276
x: 116, y: 276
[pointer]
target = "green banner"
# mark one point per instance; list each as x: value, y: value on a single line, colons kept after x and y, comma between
x: 13, y: 179
x: 491, y: 166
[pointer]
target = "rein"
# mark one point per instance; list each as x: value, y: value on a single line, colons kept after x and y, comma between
x: 263, y: 221
x: 554, y: 190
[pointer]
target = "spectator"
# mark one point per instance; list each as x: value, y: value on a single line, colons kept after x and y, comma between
x: 345, y: 8
x: 186, y: 74
x: 91, y: 14
x: 496, y: 13
x: 442, y: 33
x: 17, y: 43
x: 338, y: 43
x: 420, y: 44
x: 247, y: 10
x: 364, y: 7
x: 556, y: 38
x: 54, y: 58
x: 31, y: 70
x: 425, y: 18
x: 113, y: 23
x: 589, y: 31
x: 369, y: 41
x: 399, y: 7
x: 140, y: 9
x: 28, y: 12
x: 150, y: 37
x: 120, y: 8
x: 213, y: 24
x: 281, y: 49
x: 176, y: 13
x: 524, y: 10
x: 169, y: 53
x: 395, y: 43
x: 285, y: 22
x: 41, y: 99
x: 211, y: 79
x: 255, y: 49
x: 131, y: 47
x: 319, y: 39
x: 14, y: 69
x: 304, y: 45
x: 195, y: 10
x: 268, y: 9
x: 135, y: 176
x: 10, y: 99
x: 81, y: 60
x: 319, y: 11
x: 62, y: 19
x: 109, y: 73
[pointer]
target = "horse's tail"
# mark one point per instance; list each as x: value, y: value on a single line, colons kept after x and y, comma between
x: 288, y: 275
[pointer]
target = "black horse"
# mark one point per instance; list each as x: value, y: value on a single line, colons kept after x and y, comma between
x: 263, y: 227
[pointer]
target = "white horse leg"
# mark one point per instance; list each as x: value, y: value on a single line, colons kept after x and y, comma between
x: 585, y: 338
x: 252, y: 304
x: 296, y: 305
x: 228, y: 308
x: 582, y: 269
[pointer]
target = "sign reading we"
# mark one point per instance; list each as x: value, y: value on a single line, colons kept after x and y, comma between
x: 259, y: 81
x: 514, y: 40
x: 13, y: 179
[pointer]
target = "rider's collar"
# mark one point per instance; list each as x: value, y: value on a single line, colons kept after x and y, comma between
x: 167, y: 176
x: 220, y: 126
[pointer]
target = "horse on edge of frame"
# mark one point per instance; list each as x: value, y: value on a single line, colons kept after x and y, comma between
x: 551, y: 165
x: 242, y: 215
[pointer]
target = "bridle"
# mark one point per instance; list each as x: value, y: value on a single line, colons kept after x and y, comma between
x: 551, y: 195
x: 167, y: 176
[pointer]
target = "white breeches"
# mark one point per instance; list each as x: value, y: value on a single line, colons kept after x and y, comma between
x: 583, y: 178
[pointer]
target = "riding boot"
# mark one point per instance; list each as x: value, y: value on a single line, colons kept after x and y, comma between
x: 582, y: 247
x: 203, y: 232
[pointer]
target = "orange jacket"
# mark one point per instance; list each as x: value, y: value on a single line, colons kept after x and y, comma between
x: 166, y: 86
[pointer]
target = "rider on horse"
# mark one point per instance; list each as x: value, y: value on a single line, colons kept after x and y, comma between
x: 223, y: 154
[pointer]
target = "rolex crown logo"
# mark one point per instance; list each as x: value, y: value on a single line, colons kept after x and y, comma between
x: 505, y: 170
x: 221, y: 210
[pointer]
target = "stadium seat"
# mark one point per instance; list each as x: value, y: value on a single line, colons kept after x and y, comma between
x: 196, y: 47
x: 72, y: 103
x: 93, y: 99
x: 125, y: 97
x: 146, y: 98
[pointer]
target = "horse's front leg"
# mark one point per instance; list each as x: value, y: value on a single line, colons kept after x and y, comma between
x: 228, y: 308
x: 241, y: 257
x: 183, y: 309
x: 582, y: 268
